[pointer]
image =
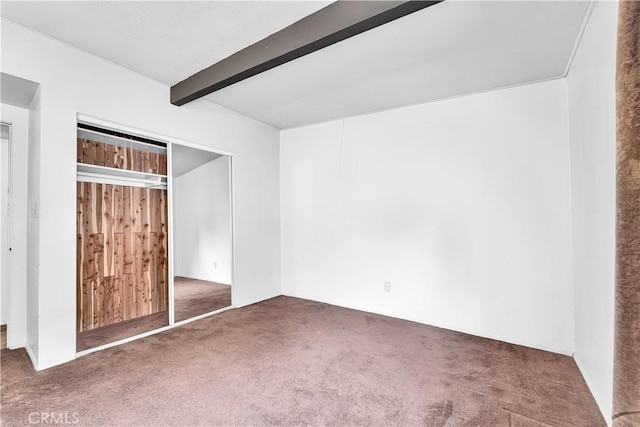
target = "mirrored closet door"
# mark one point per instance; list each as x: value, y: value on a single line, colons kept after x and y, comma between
x: 202, y: 242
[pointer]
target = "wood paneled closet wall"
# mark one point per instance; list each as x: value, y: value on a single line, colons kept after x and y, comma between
x: 122, y: 239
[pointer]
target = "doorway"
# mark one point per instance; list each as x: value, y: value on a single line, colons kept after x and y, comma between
x: 5, y: 230
x: 122, y: 236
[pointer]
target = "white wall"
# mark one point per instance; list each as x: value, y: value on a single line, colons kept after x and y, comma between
x: 73, y: 81
x: 202, y: 223
x: 17, y: 331
x: 464, y: 205
x: 592, y: 119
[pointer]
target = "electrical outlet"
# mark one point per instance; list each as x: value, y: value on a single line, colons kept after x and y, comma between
x: 387, y: 286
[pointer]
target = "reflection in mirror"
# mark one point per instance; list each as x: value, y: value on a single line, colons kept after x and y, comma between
x: 202, y: 231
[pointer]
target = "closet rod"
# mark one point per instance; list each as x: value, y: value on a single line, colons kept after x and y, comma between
x: 155, y: 183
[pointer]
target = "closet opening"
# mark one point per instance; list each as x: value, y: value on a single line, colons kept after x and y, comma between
x: 122, y: 236
x: 154, y: 234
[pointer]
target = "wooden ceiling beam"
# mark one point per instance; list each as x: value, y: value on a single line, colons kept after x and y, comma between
x: 332, y: 24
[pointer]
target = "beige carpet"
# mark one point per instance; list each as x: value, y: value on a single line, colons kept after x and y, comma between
x: 129, y: 328
x: 192, y: 298
x: 288, y: 361
x: 195, y: 297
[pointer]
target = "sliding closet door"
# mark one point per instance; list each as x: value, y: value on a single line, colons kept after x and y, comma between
x: 202, y: 240
x: 122, y: 247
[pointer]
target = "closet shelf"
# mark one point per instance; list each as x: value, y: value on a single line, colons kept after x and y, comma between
x: 106, y: 175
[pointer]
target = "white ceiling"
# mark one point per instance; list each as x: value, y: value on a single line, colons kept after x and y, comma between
x: 450, y: 49
x: 165, y: 40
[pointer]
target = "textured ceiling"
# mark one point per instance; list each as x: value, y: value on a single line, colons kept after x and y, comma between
x: 165, y: 40
x: 450, y: 49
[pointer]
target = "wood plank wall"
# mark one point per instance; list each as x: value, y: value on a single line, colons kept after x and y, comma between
x: 122, y: 247
x: 113, y: 156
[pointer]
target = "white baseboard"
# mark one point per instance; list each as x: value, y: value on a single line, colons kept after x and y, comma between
x: 510, y: 340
